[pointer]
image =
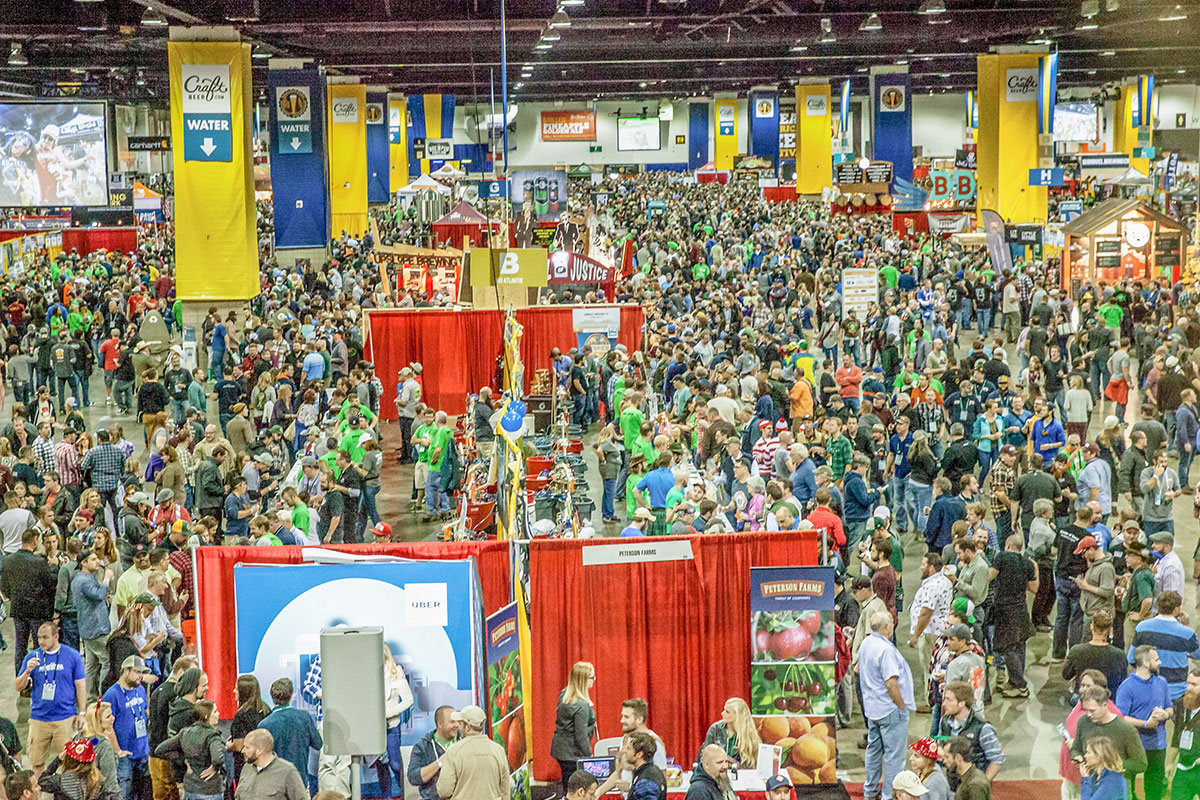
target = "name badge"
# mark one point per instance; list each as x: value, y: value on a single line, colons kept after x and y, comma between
x: 48, y: 689
x: 139, y: 727
x: 1185, y: 740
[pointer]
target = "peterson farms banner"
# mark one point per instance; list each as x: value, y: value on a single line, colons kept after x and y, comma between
x: 569, y: 126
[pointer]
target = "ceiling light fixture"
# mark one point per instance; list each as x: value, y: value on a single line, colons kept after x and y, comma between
x: 570, y: 3
x: 827, y: 36
x: 551, y: 35
x: 1089, y: 8
x: 560, y: 20
x: 16, y: 56
x: 261, y: 54
x: 871, y: 23
x: 1109, y: 53
x: 932, y: 7
x: 1086, y: 26
x: 543, y: 45
x: 799, y: 47
x: 1174, y: 15
x: 153, y: 18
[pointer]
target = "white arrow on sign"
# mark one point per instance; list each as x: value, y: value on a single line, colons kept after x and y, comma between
x: 295, y: 142
x: 207, y: 146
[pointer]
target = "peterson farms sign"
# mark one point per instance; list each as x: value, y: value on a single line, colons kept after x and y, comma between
x: 568, y: 126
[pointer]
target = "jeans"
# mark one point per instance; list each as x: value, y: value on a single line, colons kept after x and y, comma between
x: 1068, y: 624
x: 123, y: 395
x: 887, y: 741
x: 983, y: 316
x: 1099, y: 375
x: 109, y: 498
x: 855, y: 531
x: 903, y: 503
x: 68, y: 626
x: 436, y: 499
x: 854, y: 348
x: 391, y: 769
x: 133, y: 776
x: 593, y: 406
x: 606, y: 500
x: 922, y: 498
x: 1153, y: 526
x: 64, y: 384
x: 178, y: 410
x: 831, y: 354
x: 95, y: 664
x: 854, y: 403
x: 368, y: 514
x: 1185, y: 465
x: 1169, y: 424
x: 1004, y: 527
x: 81, y: 384
x: 964, y: 319
x: 985, y: 465
x: 579, y: 409
x: 25, y: 629
x: 1014, y: 659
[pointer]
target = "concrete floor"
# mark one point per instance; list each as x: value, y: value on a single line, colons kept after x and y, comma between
x: 1025, y: 726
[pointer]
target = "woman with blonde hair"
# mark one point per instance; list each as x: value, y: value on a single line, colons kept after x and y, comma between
x: 104, y: 547
x: 574, y: 720
x: 98, y: 723
x: 735, y: 734
x: 1103, y: 778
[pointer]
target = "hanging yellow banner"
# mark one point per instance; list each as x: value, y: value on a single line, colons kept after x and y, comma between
x: 216, y: 242
x: 814, y: 138
x: 348, y: 158
x: 725, y: 143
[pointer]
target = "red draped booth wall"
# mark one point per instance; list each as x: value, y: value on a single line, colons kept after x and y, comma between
x: 675, y: 633
x: 217, y: 613
x: 89, y: 240
x: 458, y: 349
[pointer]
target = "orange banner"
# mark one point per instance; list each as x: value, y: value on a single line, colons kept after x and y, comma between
x: 568, y: 126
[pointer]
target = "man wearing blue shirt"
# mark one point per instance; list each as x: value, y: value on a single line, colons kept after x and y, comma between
x: 58, y: 692
x: 1145, y: 702
x: 294, y: 731
x: 887, y: 699
x: 651, y: 491
x: 900, y: 470
x: 1048, y: 434
x: 1174, y: 642
x: 130, y: 708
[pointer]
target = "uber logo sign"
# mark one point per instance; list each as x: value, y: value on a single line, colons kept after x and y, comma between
x: 425, y: 605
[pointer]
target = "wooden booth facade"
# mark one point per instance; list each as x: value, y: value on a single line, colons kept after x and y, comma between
x: 1122, y: 239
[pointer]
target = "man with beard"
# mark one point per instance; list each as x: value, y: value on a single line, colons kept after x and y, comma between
x: 1145, y: 701
x: 1186, y: 739
x: 711, y: 780
x: 634, y: 713
x: 647, y: 781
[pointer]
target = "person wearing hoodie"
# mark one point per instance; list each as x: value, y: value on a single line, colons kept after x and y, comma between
x: 859, y: 500
x: 202, y: 748
x: 190, y: 688
x: 161, y: 773
x: 710, y: 781
x: 1098, y: 584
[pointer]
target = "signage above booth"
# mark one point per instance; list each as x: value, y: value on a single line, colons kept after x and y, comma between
x: 149, y: 144
x: 569, y: 126
x: 876, y: 172
x: 1104, y: 161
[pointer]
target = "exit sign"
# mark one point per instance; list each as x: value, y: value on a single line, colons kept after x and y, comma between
x: 594, y: 148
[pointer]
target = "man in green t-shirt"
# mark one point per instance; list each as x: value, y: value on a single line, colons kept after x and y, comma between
x: 1112, y: 314
x: 699, y: 271
x: 437, y: 502
x: 422, y: 435
x: 890, y: 275
x: 631, y: 419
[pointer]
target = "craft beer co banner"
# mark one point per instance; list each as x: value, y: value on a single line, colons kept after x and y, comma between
x: 506, y: 694
x: 431, y: 614
x: 299, y: 172
x: 893, y: 122
x: 793, y: 693
x: 216, y: 244
x: 348, y: 158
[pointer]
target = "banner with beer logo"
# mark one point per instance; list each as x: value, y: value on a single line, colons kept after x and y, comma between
x: 793, y: 681
x: 298, y: 170
x: 537, y: 194
x: 506, y: 694
x: 377, y: 148
x: 569, y: 126
x: 348, y: 158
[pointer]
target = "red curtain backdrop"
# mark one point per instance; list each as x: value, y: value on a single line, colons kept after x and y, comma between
x: 675, y: 633
x: 89, y: 240
x: 217, y: 612
x: 453, y: 233
x: 780, y: 194
x: 458, y: 349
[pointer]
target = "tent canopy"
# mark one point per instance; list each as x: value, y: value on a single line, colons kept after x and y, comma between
x: 1130, y: 177
x: 423, y: 183
x: 463, y: 214
x: 448, y: 170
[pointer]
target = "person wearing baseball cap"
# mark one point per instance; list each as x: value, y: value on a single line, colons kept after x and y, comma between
x: 779, y: 787
x: 130, y: 706
x: 1097, y: 585
x: 382, y: 531
x: 476, y: 766
x: 923, y: 758
x: 906, y: 785
x: 642, y: 517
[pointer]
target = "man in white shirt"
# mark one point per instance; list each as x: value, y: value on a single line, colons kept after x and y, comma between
x: 634, y: 713
x: 13, y: 523
x: 1168, y: 575
x: 930, y: 605
x: 725, y: 405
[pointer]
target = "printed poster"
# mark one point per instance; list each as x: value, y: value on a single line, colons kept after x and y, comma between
x: 793, y: 691
x: 506, y: 696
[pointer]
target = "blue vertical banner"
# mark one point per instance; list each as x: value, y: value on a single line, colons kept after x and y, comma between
x: 844, y: 110
x: 971, y: 110
x: 764, y: 124
x: 697, y: 134
x: 1047, y: 91
x: 1143, y: 101
x: 893, y: 122
x: 377, y: 147
x: 299, y: 172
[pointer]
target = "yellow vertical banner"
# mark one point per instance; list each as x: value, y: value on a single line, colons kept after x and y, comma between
x: 348, y: 158
x: 397, y: 142
x: 814, y: 138
x: 1007, y: 137
x: 725, y: 142
x: 216, y: 242
x: 1125, y: 133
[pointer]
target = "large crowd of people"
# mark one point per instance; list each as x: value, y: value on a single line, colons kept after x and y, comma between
x: 1027, y: 441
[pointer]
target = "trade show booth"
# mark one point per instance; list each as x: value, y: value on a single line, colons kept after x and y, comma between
x: 1119, y: 239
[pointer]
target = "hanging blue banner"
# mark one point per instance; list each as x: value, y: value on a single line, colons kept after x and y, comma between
x: 1047, y: 91
x: 377, y: 148
x: 299, y: 174
x: 764, y: 124
x: 893, y: 122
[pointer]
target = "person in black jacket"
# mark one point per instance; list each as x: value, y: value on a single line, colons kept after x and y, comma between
x: 29, y: 581
x: 648, y: 781
x: 960, y: 456
x: 710, y: 781
x: 575, y: 721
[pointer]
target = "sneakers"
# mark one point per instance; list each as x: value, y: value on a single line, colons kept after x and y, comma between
x: 1013, y: 691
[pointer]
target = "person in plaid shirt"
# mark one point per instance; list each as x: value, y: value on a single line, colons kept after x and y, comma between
x: 104, y: 464
x: 1004, y: 478
x: 837, y: 448
x: 67, y: 463
x: 43, y: 449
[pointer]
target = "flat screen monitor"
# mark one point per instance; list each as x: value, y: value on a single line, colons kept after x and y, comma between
x: 638, y: 133
x: 54, y: 154
x: 1076, y: 122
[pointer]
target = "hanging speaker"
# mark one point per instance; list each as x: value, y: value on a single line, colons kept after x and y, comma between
x: 352, y: 691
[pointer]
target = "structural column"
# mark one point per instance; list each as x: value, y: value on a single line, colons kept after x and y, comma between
x: 814, y: 138
x: 725, y: 145
x: 1007, y: 138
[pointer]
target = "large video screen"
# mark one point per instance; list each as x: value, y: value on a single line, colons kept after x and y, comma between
x: 53, y: 154
x: 638, y: 133
x: 1076, y: 122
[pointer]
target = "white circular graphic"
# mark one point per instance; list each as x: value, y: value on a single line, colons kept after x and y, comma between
x: 1136, y: 234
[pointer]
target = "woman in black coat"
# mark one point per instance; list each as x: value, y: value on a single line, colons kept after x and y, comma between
x: 574, y: 721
